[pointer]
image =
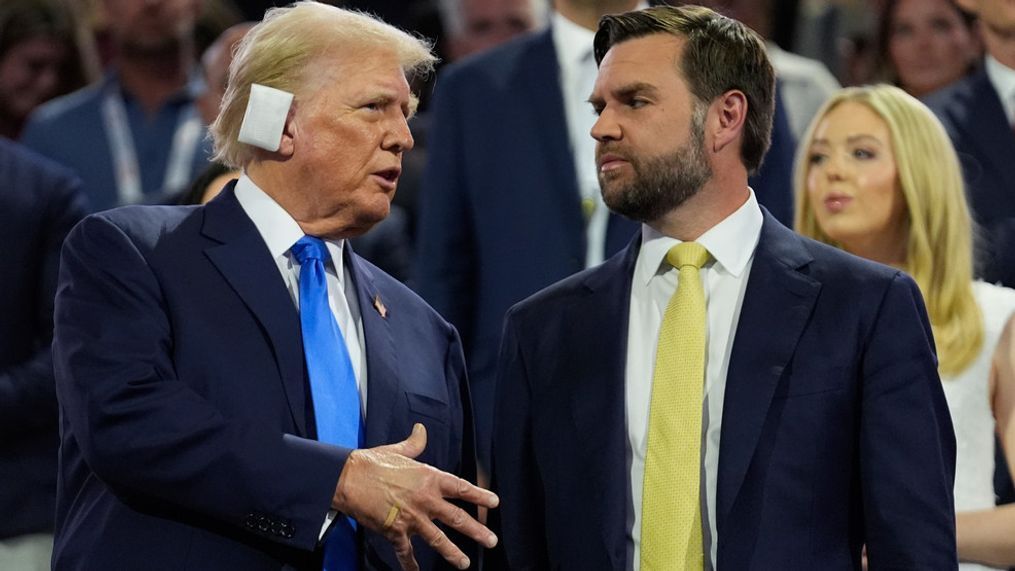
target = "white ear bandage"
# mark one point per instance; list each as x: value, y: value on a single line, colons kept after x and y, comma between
x: 264, y: 119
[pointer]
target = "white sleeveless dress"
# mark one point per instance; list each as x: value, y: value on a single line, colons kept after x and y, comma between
x: 968, y: 395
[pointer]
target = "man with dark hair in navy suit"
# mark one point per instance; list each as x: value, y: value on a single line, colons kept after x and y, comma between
x: 723, y: 393
x: 40, y: 202
x: 978, y: 112
x: 235, y: 384
x: 510, y: 200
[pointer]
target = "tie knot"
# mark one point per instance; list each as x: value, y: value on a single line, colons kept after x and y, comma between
x: 688, y: 254
x: 310, y: 248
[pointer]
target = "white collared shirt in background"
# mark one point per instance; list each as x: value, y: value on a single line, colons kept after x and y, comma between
x: 731, y: 244
x: 1002, y: 78
x: 578, y: 70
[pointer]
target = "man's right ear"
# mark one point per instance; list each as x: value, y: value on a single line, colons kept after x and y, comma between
x: 290, y: 132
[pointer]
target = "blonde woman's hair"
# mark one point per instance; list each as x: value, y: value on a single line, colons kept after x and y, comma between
x: 282, y: 52
x: 939, y: 246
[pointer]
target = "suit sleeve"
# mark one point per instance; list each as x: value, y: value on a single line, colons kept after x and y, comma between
x: 27, y: 393
x: 519, y: 521
x: 907, y: 445
x: 446, y: 260
x: 148, y: 435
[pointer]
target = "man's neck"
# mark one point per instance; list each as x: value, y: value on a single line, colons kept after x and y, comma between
x: 1000, y: 45
x: 710, y: 206
x: 152, y: 80
x: 587, y: 15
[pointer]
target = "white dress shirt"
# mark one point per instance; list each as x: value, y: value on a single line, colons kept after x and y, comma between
x: 280, y: 233
x: 573, y: 45
x: 731, y: 244
x: 1002, y: 78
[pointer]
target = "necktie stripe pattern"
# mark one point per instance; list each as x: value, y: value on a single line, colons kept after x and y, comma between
x: 332, y: 383
x: 671, y: 534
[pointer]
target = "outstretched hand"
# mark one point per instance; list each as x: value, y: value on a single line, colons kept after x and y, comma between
x: 388, y: 491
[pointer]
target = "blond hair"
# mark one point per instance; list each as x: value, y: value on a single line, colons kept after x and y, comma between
x: 279, y: 52
x: 939, y: 246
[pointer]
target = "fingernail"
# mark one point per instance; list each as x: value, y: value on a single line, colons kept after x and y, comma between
x: 463, y: 563
x: 491, y: 540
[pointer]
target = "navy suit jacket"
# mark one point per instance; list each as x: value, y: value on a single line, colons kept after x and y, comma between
x: 835, y: 432
x: 501, y: 211
x: 187, y: 425
x: 39, y: 203
x: 972, y: 114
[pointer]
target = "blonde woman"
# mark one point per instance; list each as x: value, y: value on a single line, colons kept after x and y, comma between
x: 877, y: 176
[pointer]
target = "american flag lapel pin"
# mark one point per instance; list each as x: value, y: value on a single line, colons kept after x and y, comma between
x: 379, y: 306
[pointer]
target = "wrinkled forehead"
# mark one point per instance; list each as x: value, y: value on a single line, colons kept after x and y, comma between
x: 652, y: 59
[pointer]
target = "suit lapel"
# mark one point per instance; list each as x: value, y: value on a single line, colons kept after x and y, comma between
x: 982, y: 116
x: 777, y: 305
x: 382, y: 366
x: 539, y: 78
x: 594, y: 386
x: 244, y: 261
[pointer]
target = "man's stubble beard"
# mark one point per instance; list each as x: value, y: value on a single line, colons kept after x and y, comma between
x: 661, y: 183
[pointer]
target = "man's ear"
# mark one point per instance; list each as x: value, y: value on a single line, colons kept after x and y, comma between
x: 730, y: 115
x: 290, y: 132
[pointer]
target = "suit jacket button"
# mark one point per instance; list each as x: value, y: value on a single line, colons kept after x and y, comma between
x: 251, y: 521
x: 262, y: 523
x: 288, y: 531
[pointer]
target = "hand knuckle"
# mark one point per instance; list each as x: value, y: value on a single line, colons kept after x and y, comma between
x: 438, y: 540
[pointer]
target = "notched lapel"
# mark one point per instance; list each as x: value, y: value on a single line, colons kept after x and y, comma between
x: 383, y: 386
x: 777, y: 307
x: 244, y: 261
x: 981, y: 116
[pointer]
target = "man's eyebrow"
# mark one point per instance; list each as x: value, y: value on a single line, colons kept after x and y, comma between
x: 636, y: 88
x: 628, y: 91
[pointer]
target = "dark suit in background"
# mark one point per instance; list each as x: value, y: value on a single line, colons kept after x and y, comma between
x: 972, y: 114
x: 835, y: 433
x: 500, y: 207
x: 39, y: 203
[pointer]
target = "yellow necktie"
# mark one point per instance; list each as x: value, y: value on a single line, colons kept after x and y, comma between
x: 671, y: 503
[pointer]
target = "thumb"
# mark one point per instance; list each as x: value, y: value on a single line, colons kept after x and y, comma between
x: 414, y: 445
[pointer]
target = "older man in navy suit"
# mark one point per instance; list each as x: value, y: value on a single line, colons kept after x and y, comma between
x: 235, y: 383
x: 723, y: 393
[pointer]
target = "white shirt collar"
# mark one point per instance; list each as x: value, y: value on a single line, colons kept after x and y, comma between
x: 731, y: 242
x: 277, y: 227
x: 1002, y: 78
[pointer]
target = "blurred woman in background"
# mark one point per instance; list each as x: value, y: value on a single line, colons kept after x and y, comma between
x: 925, y: 45
x: 43, y: 54
x: 876, y: 175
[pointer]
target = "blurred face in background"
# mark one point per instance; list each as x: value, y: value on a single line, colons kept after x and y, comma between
x: 487, y: 23
x: 852, y: 183
x: 30, y: 75
x: 149, y: 27
x: 995, y: 16
x: 930, y: 45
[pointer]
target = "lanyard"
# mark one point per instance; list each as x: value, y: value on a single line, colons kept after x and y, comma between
x: 121, y: 143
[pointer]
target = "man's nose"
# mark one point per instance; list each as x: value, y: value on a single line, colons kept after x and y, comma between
x: 399, y: 137
x: 606, y: 128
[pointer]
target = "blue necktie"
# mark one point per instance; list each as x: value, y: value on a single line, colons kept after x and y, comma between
x: 332, y: 384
